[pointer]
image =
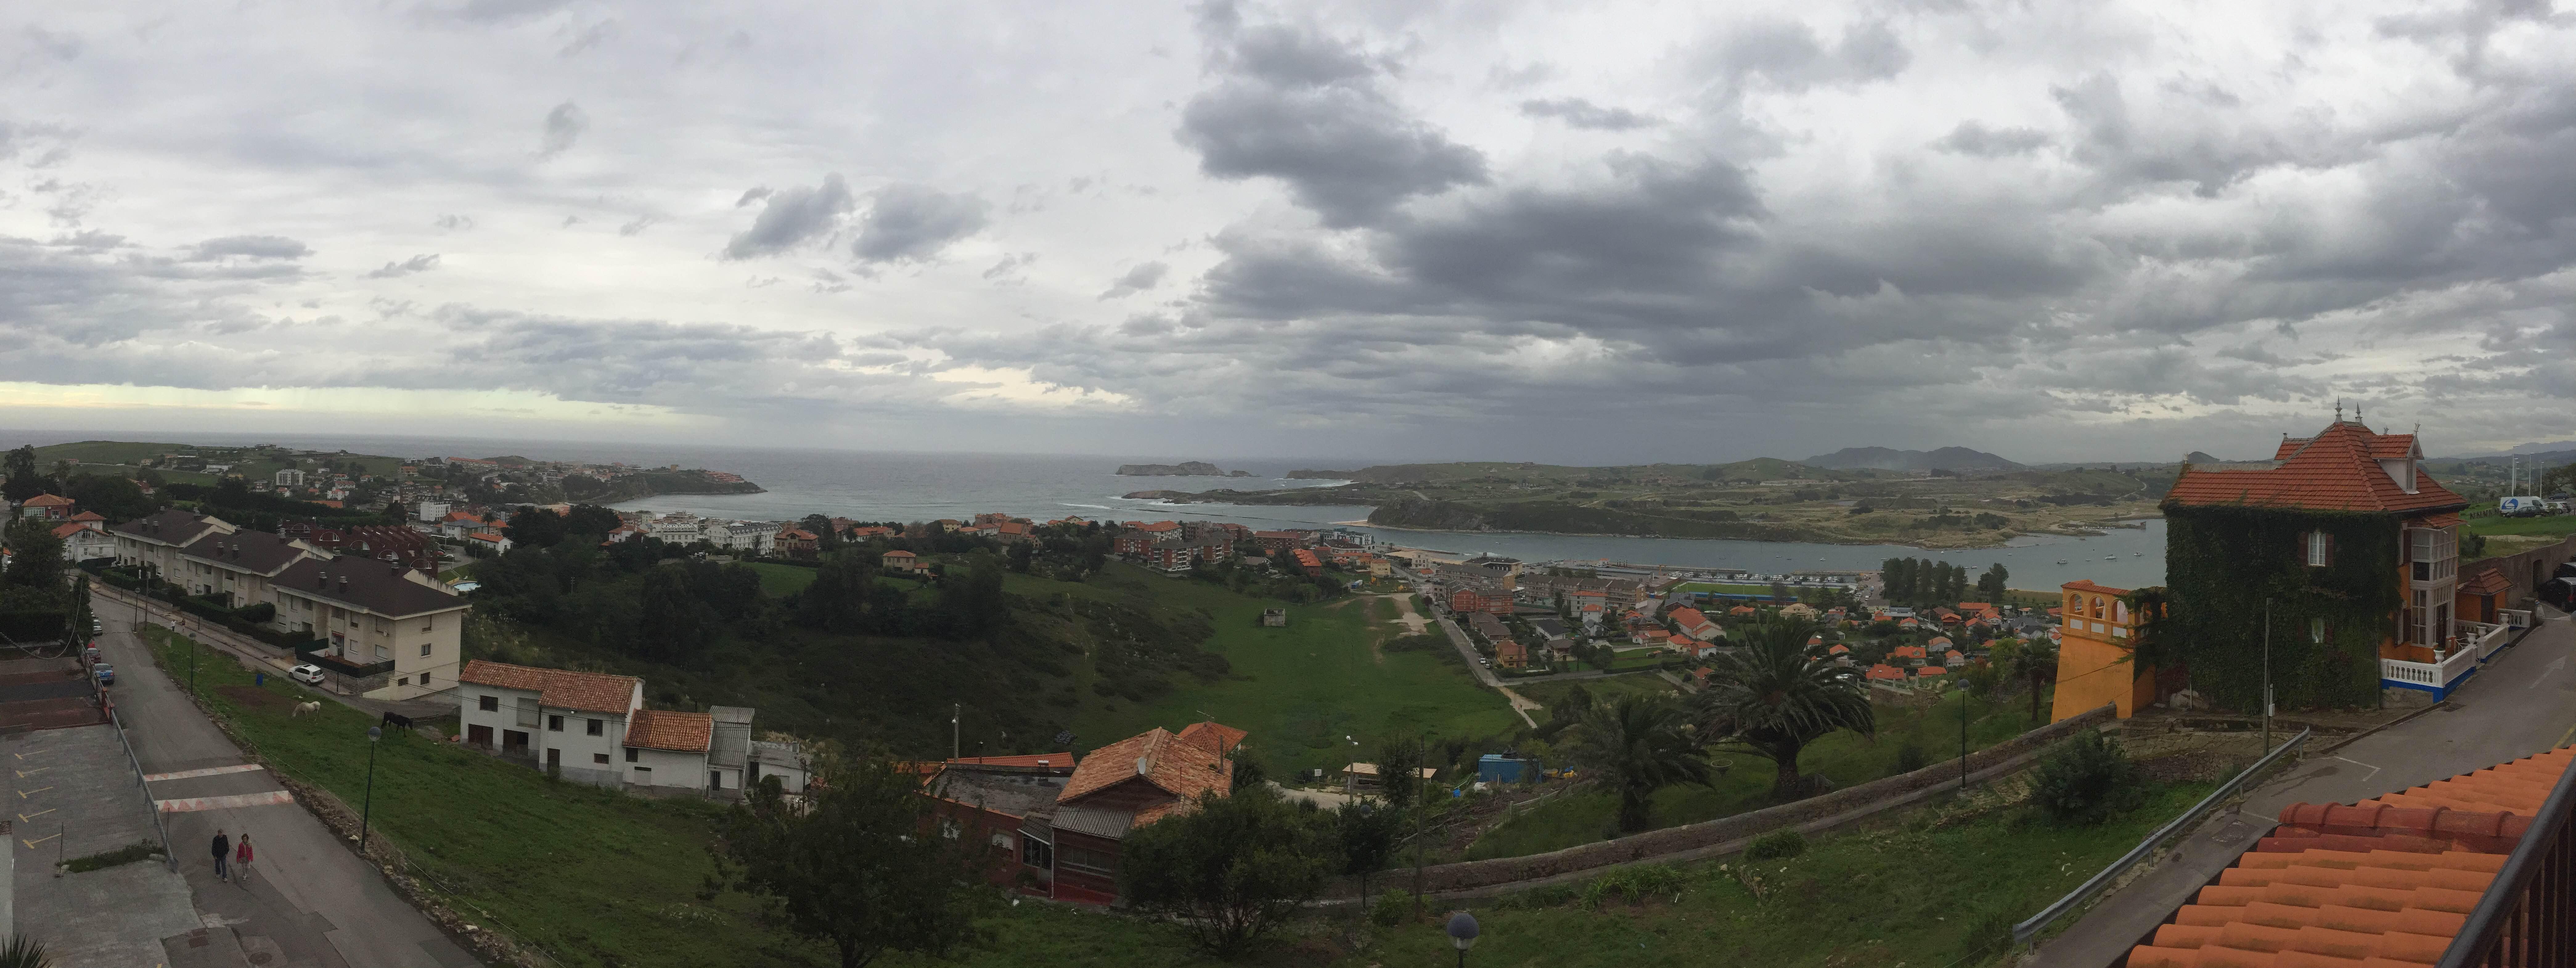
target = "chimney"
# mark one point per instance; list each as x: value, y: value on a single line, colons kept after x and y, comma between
x: 1144, y: 766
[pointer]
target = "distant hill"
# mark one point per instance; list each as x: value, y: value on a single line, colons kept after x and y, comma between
x: 2546, y: 458
x: 1885, y: 459
x: 1195, y: 468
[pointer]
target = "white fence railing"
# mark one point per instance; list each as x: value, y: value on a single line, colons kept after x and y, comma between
x: 2436, y: 676
x: 2483, y: 638
x: 2515, y: 618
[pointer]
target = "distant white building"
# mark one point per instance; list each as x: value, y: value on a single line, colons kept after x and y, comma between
x: 748, y: 537
x: 429, y: 510
x: 678, y: 529
x: 593, y: 728
x: 289, y: 477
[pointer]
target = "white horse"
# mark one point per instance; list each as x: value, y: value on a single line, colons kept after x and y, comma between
x: 301, y: 708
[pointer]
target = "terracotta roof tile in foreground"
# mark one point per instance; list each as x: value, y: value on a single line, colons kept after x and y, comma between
x: 2385, y: 883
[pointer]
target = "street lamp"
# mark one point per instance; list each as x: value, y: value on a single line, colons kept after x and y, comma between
x: 1462, y: 932
x: 367, y: 811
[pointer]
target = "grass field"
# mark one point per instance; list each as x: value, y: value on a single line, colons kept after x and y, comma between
x: 1298, y: 689
x: 592, y: 876
x: 1923, y: 890
x: 1844, y: 757
x: 2550, y: 526
x: 782, y: 580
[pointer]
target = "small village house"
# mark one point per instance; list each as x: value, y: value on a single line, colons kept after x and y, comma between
x: 593, y: 728
x: 1071, y: 845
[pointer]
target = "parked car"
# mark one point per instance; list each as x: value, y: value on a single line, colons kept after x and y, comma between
x: 106, y: 674
x: 306, y: 673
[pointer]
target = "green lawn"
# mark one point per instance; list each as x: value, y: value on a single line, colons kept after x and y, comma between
x: 1844, y: 757
x: 1925, y: 889
x: 2553, y: 525
x: 1300, y: 689
x: 782, y: 580
x: 591, y: 876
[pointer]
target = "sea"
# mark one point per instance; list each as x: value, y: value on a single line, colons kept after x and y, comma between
x: 897, y: 486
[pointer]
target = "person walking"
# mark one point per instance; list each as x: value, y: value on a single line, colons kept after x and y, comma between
x: 241, y: 860
x: 223, y: 850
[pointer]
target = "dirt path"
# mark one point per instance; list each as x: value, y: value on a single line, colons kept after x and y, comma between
x: 1414, y: 624
x: 1520, y: 704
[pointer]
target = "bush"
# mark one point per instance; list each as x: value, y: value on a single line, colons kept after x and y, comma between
x: 1636, y: 884
x: 1776, y: 845
x: 1910, y: 758
x: 257, y: 612
x: 2085, y: 780
x: 1392, y: 908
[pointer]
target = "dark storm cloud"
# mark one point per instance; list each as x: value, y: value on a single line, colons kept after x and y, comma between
x: 1579, y: 113
x: 791, y: 217
x: 410, y: 266
x: 914, y: 222
x: 249, y: 247
x: 564, y: 125
x: 1310, y: 111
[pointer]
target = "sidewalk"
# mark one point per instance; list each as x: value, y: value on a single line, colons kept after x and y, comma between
x: 2523, y: 702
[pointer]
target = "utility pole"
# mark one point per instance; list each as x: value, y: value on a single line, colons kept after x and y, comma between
x: 956, y: 711
x: 2267, y: 676
x: 1963, y: 742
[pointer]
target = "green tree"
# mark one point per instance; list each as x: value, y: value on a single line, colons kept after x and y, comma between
x: 114, y: 498
x: 591, y: 520
x: 1367, y: 833
x: 35, y: 555
x: 837, y: 601
x: 1230, y: 870
x: 2033, y: 661
x: 671, y: 624
x: 852, y: 867
x: 1634, y: 747
x: 1773, y: 696
x: 1993, y: 586
x: 537, y: 527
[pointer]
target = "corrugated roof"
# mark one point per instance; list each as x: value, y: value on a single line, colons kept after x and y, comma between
x: 2337, y: 470
x: 2385, y: 883
x: 655, y: 729
x: 560, y: 688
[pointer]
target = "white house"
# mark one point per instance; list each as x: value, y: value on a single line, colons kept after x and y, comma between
x: 745, y: 536
x: 430, y: 511
x: 85, y: 537
x: 488, y: 542
x: 289, y: 477
x: 593, y: 728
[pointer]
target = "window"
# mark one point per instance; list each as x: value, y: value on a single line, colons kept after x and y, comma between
x: 428, y: 622
x: 554, y: 724
x: 601, y: 758
x: 489, y: 704
x: 594, y: 727
x: 404, y: 681
x: 2320, y: 549
x: 1036, y: 853
x: 424, y: 650
x: 630, y: 754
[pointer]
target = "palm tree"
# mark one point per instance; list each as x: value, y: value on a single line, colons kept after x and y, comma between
x: 1634, y: 747
x: 24, y: 952
x: 2035, y: 662
x: 1774, y: 696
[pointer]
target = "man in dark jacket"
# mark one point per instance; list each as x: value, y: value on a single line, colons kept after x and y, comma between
x: 223, y: 852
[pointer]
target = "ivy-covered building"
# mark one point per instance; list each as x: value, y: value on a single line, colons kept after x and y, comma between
x: 2352, y: 544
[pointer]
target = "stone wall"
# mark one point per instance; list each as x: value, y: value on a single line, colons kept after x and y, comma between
x: 1470, y: 875
x: 2525, y: 569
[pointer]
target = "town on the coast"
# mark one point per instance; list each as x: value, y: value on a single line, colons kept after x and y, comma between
x: 1237, y: 740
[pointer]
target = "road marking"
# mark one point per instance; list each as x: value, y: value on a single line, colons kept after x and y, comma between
x: 2571, y: 734
x: 31, y: 844
x: 22, y: 794
x: 208, y: 771
x: 2546, y: 670
x: 23, y: 774
x: 32, y: 753
x: 2374, y: 771
x: 193, y: 804
x: 31, y: 817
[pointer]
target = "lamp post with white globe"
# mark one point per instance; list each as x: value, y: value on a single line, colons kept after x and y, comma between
x: 1462, y: 932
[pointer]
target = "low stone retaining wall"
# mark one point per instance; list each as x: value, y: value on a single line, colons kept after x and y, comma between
x: 1475, y: 874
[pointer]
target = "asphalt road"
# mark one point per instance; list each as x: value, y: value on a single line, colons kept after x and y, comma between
x: 2523, y: 702
x: 311, y: 902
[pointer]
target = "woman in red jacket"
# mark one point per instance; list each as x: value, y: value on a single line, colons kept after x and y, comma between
x: 241, y: 860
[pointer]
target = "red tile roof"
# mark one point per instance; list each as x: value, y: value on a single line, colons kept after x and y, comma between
x: 1932, y: 670
x: 560, y: 688
x: 2378, y: 884
x: 87, y: 516
x: 1181, y: 768
x: 46, y: 501
x: 2337, y: 470
x: 2488, y: 581
x: 656, y: 729
x: 2082, y: 585
x: 1885, y: 671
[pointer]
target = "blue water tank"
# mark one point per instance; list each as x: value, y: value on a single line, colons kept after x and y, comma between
x: 1497, y: 768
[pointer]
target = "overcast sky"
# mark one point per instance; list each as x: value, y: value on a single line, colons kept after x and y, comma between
x: 1581, y: 232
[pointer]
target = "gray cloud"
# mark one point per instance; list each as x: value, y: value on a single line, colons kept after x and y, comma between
x: 589, y: 37
x: 1789, y: 55
x: 505, y: 11
x: 1579, y: 113
x: 455, y: 223
x: 249, y: 247
x: 1972, y: 138
x: 60, y: 46
x: 638, y: 226
x: 415, y: 264
x: 564, y: 125
x: 908, y: 222
x: 1307, y: 110
x: 1136, y: 280
x: 791, y: 217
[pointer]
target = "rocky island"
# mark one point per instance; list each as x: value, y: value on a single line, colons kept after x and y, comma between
x: 1195, y: 468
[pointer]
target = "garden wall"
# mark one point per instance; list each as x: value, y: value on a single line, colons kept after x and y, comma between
x: 2525, y: 569
x: 1470, y: 875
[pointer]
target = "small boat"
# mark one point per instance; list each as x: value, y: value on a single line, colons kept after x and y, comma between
x: 2110, y: 557
x: 2061, y: 561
